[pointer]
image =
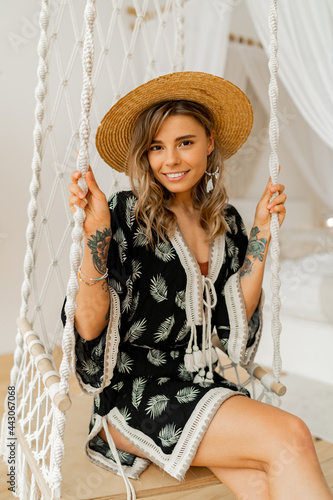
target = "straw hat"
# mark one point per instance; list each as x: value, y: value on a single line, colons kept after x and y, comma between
x: 229, y: 106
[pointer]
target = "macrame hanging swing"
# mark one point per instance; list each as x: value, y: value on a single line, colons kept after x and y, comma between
x: 47, y: 463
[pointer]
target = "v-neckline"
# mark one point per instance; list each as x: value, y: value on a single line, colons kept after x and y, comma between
x: 195, y: 280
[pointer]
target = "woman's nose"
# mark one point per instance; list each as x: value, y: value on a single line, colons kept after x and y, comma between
x: 172, y: 157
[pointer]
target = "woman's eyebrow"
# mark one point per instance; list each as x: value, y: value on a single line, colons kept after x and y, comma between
x: 181, y: 138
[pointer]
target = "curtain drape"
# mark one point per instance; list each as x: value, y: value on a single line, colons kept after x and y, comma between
x: 310, y: 154
x: 206, y: 38
x: 305, y: 56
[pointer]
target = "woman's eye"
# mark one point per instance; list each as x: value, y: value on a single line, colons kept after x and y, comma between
x: 155, y: 148
x: 186, y: 143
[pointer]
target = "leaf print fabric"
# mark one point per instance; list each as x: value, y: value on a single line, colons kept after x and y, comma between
x: 184, y: 374
x: 180, y: 299
x: 127, y: 302
x: 139, y: 238
x: 137, y: 392
x: 134, y: 306
x: 90, y: 367
x: 164, y: 329
x: 187, y: 394
x: 232, y: 223
x: 119, y: 237
x: 97, y: 401
x: 136, y: 269
x: 118, y: 387
x: 158, y: 288
x: 113, y: 201
x: 136, y: 330
x: 156, y: 357
x: 162, y: 380
x: 125, y: 413
x: 156, y: 405
x: 165, y: 252
x: 130, y: 211
x: 183, y: 332
x: 169, y: 435
x: 124, y: 363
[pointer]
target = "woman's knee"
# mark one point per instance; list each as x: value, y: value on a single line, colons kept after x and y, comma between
x: 291, y: 439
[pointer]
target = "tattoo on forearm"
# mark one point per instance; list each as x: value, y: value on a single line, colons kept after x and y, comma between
x: 247, y: 267
x: 256, y: 248
x: 99, y: 246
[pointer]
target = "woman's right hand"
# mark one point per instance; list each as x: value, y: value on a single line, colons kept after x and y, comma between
x: 94, y: 202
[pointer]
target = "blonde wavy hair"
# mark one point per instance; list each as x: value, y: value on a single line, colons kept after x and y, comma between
x: 152, y: 210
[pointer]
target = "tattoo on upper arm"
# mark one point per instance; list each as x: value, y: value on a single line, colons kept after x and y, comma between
x: 99, y: 246
x: 256, y: 246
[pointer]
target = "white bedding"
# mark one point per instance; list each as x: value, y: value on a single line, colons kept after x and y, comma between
x: 306, y: 287
x: 306, y: 317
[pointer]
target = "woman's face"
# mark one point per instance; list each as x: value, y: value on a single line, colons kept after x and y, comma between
x: 178, y: 154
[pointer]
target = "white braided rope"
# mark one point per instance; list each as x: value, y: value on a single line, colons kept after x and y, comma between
x: 79, y: 215
x: 274, y: 172
x: 38, y: 137
x: 57, y: 450
x: 58, y: 427
x: 180, y: 35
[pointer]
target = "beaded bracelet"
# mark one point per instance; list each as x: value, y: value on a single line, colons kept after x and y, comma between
x: 82, y: 278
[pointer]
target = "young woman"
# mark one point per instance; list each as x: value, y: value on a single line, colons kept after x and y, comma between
x: 164, y: 265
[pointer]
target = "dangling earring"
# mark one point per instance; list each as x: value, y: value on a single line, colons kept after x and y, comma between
x: 210, y: 185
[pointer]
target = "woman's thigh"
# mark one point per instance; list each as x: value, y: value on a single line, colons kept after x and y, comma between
x: 246, y: 433
x: 121, y: 442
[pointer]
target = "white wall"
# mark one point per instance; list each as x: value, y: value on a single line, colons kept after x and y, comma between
x: 18, y: 79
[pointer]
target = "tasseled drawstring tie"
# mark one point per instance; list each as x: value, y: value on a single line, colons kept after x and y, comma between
x: 195, y: 359
x: 210, y: 301
x: 129, y: 487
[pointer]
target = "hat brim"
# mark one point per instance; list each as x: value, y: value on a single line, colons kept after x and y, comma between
x: 228, y: 105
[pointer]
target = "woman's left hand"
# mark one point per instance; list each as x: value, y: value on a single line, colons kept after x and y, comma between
x: 266, y: 207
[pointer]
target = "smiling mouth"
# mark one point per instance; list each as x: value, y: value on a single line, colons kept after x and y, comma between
x: 176, y: 175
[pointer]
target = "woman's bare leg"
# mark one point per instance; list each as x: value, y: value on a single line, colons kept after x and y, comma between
x: 253, y: 443
x: 246, y: 484
x: 247, y: 434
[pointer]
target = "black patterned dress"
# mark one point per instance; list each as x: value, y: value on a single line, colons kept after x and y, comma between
x: 152, y: 369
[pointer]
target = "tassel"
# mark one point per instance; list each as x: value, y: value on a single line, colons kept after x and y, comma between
x: 198, y: 357
x: 189, y: 360
x: 214, y: 355
x: 207, y: 355
x: 200, y: 377
x: 210, y: 355
x: 209, y: 378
